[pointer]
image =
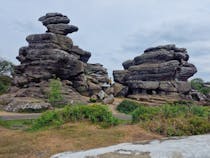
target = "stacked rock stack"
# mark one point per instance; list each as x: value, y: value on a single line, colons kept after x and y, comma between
x: 159, y: 70
x: 53, y: 55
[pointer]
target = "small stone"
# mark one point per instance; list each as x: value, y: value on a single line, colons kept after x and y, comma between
x: 101, y: 95
x: 109, y: 99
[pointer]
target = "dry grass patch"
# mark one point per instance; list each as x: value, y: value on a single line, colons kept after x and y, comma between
x: 69, y: 137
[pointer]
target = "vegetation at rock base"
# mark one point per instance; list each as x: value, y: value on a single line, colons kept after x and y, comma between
x: 176, y: 119
x: 127, y: 106
x: 198, y: 84
x: 93, y: 100
x: 6, y: 69
x: 5, y: 82
x: 55, y: 95
x: 97, y: 114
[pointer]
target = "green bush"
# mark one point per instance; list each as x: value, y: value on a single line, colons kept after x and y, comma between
x: 98, y: 114
x: 5, y: 83
x: 55, y: 94
x: 144, y: 113
x: 174, y: 120
x: 127, y: 106
x: 198, y: 84
x: 6, y: 67
x: 49, y: 118
x: 93, y: 113
x: 93, y: 100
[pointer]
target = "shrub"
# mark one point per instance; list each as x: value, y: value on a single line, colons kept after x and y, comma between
x: 144, y: 113
x: 49, y: 118
x: 199, y: 111
x: 170, y: 111
x: 198, y: 84
x: 93, y: 113
x: 93, y: 100
x: 98, y: 114
x: 174, y: 120
x: 55, y: 95
x: 5, y: 83
x: 6, y: 67
x: 127, y: 106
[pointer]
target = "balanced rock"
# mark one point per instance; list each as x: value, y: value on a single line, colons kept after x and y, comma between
x: 58, y: 23
x: 159, y: 70
x: 53, y: 55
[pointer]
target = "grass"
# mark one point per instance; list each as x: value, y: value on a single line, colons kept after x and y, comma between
x: 72, y: 128
x: 16, y: 124
x: 176, y: 119
x: 69, y: 137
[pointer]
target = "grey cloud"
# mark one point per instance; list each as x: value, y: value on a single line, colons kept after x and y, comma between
x: 114, y: 30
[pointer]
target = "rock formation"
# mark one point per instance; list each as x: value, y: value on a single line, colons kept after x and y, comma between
x: 159, y: 70
x: 53, y: 55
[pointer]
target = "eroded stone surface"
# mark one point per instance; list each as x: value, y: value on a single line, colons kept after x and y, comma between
x: 159, y: 70
x: 53, y: 55
x: 185, y: 147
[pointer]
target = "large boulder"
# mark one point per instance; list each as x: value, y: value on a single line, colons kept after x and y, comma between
x: 119, y: 76
x: 26, y: 105
x: 120, y: 90
x: 159, y: 70
x: 49, y: 56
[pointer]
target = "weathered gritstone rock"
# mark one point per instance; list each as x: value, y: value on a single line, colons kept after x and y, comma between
x: 53, y: 55
x: 159, y: 70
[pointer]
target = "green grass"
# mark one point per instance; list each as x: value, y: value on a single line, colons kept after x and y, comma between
x: 175, y: 119
x: 97, y: 114
x: 16, y: 124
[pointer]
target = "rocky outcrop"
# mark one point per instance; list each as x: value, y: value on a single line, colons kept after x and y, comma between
x: 53, y: 55
x: 159, y: 70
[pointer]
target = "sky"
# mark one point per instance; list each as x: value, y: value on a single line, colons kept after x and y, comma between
x: 114, y: 30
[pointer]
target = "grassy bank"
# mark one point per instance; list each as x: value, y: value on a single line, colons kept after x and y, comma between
x: 96, y: 114
x: 177, y: 119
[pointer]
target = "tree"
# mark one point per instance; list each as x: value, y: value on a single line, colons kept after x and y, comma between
x: 6, y: 67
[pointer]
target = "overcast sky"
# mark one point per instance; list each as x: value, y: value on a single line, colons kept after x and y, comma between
x: 114, y: 30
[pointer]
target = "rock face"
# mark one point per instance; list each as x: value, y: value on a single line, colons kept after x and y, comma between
x: 159, y: 70
x: 53, y: 55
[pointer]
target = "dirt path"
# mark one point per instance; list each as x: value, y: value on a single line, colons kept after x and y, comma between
x: 18, y: 116
x: 117, y: 114
x: 21, y: 116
